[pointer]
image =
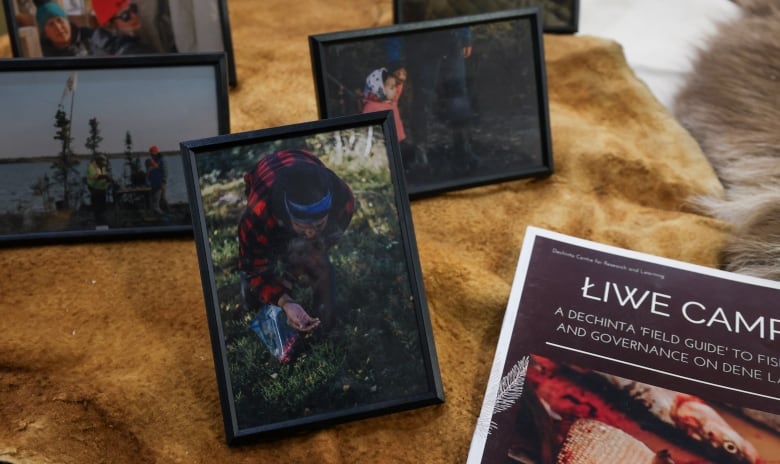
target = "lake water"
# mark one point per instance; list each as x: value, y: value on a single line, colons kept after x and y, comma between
x: 17, y: 179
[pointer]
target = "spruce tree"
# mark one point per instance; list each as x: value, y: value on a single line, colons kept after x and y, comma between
x: 66, y: 160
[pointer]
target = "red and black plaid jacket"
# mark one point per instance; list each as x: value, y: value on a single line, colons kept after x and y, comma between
x: 263, y: 233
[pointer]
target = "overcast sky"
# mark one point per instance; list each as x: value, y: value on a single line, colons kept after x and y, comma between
x: 160, y: 106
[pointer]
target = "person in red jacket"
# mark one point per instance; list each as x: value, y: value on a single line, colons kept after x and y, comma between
x: 296, y: 210
x: 382, y: 90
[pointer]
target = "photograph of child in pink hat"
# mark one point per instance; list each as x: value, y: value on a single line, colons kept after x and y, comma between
x: 465, y: 113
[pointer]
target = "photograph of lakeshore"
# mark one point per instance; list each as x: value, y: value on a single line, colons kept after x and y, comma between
x: 94, y: 150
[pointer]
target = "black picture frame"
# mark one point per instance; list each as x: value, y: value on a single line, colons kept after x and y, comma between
x: 136, y: 103
x: 202, y: 28
x: 339, y: 372
x: 558, y: 16
x: 464, y: 122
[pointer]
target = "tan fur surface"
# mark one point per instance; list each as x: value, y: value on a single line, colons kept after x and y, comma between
x: 105, y: 355
x: 731, y: 105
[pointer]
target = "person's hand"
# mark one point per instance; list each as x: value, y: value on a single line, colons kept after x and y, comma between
x: 298, y: 318
x: 467, y: 51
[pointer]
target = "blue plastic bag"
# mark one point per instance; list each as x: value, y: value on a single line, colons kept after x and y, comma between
x: 270, y: 324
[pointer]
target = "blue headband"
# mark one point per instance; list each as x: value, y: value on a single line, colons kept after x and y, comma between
x: 308, y: 213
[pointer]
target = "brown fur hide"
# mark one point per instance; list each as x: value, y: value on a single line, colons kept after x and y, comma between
x: 731, y: 105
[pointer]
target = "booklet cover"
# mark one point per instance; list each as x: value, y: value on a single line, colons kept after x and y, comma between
x: 612, y: 356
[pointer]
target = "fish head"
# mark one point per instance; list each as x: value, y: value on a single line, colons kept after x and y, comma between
x: 703, y: 423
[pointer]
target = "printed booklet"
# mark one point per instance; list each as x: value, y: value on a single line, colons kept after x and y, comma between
x: 612, y: 356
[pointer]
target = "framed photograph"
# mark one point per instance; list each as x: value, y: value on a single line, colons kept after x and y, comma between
x: 558, y: 16
x: 91, y: 145
x: 60, y: 28
x: 311, y: 276
x: 468, y: 94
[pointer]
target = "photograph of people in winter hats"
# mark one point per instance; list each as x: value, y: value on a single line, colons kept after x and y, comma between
x: 312, y: 274
x: 116, y: 27
x: 469, y: 112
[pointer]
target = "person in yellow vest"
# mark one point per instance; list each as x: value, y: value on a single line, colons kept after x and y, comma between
x: 98, y: 181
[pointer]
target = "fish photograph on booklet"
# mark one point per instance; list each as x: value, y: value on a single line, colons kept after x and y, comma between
x: 607, y: 355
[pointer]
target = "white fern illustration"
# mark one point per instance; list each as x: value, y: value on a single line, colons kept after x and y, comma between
x: 511, y: 388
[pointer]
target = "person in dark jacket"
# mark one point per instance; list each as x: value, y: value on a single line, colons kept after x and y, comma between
x: 162, y: 199
x: 119, y: 29
x: 296, y: 210
x: 154, y: 176
x: 437, y: 72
